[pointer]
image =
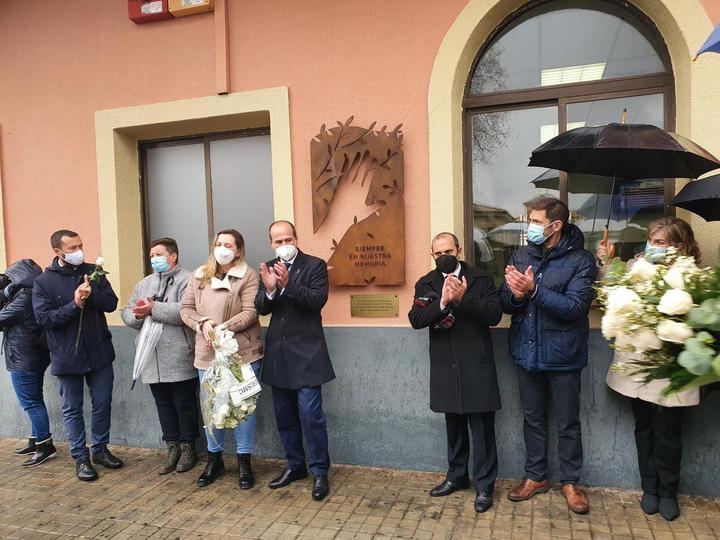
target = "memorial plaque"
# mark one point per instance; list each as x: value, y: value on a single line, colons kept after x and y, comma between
x: 372, y: 249
x: 374, y: 305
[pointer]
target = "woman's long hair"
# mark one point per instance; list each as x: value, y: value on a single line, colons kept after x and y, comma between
x: 677, y: 231
x: 211, y: 266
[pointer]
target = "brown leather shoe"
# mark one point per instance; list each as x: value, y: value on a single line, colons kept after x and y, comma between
x: 576, y: 499
x: 527, y: 488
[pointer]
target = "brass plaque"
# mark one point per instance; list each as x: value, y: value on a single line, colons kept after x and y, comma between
x: 374, y: 305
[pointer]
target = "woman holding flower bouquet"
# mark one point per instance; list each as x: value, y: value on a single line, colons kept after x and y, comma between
x: 658, y: 418
x: 221, y: 296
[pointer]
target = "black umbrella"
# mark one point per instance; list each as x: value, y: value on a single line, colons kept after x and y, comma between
x: 628, y: 151
x: 701, y: 197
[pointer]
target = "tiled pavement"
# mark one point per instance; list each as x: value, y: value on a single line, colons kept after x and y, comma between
x: 135, y: 502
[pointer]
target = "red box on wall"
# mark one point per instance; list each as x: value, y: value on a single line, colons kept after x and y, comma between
x: 145, y: 11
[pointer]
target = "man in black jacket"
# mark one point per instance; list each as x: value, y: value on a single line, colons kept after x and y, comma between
x: 72, y: 308
x: 294, y: 288
x: 458, y: 303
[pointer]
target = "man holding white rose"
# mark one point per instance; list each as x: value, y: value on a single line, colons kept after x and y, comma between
x: 70, y: 300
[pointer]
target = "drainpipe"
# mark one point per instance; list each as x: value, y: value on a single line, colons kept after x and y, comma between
x: 222, y: 48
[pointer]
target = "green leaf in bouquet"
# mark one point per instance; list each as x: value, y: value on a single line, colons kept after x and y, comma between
x: 704, y: 337
x: 695, y: 363
x: 702, y: 317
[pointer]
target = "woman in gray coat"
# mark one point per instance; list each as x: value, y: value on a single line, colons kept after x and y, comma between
x: 170, y: 373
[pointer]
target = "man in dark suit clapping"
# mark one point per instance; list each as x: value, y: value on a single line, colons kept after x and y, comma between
x: 458, y: 303
x: 294, y: 288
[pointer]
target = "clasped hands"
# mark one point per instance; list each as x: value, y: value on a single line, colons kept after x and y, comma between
x: 274, y: 276
x: 520, y: 283
x: 143, y: 307
x: 453, y: 289
x: 83, y: 292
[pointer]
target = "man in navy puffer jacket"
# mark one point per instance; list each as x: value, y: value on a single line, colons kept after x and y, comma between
x: 64, y: 300
x: 548, y: 289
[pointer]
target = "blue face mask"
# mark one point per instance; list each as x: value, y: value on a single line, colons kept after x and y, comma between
x: 159, y: 264
x: 536, y: 233
x: 655, y: 253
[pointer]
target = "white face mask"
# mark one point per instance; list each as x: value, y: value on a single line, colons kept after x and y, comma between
x: 76, y: 258
x: 224, y: 255
x: 286, y: 252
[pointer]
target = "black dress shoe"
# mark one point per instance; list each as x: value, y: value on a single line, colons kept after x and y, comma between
x: 448, y: 487
x: 669, y: 508
x: 287, y: 477
x: 85, y: 471
x: 321, y: 488
x: 483, y: 502
x: 106, y: 459
x: 650, y: 504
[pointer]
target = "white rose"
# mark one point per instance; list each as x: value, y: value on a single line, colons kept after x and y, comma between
x: 675, y: 302
x: 225, y: 343
x: 642, y: 269
x: 623, y: 300
x: 645, y: 340
x: 674, y: 278
x: 221, y: 414
x: 611, y: 324
x: 674, y: 332
x: 100, y: 261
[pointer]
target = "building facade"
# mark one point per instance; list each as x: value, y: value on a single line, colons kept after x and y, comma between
x: 180, y: 127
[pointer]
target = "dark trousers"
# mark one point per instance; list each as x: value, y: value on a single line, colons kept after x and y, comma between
x: 539, y: 389
x: 177, y: 407
x: 100, y: 384
x: 28, y: 387
x: 658, y: 436
x: 485, y: 466
x: 298, y: 413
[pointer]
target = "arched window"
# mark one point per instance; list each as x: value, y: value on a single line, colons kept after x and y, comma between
x: 554, y: 66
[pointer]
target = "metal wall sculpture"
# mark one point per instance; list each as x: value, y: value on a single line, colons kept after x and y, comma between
x: 372, y: 250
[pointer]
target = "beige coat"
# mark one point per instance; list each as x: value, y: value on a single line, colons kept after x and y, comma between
x: 230, y: 301
x: 652, y: 391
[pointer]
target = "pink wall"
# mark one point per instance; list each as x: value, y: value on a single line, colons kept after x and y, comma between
x: 713, y: 10
x: 62, y: 61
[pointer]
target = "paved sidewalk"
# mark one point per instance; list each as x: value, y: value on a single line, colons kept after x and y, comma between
x: 365, y: 503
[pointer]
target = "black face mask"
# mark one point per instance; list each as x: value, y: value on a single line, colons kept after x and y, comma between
x: 446, y: 263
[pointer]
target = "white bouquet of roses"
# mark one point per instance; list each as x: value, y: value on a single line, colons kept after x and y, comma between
x: 651, y: 310
x: 230, y: 387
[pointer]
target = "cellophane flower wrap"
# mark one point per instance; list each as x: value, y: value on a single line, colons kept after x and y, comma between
x: 667, y: 316
x: 230, y: 389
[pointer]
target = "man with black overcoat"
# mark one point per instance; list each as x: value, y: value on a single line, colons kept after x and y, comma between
x: 459, y: 303
x: 294, y: 288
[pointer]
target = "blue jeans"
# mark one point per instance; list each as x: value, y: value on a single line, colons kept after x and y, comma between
x: 29, y: 391
x: 298, y: 413
x: 244, y: 433
x: 100, y: 384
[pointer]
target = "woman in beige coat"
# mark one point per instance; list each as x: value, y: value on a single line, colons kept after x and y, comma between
x: 658, y: 419
x: 221, y: 294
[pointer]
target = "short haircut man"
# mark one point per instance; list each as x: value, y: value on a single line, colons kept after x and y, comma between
x: 294, y: 288
x: 458, y: 303
x: 72, y: 307
x: 548, y: 289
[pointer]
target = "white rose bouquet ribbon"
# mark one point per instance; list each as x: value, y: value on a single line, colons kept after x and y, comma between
x: 667, y: 316
x: 230, y: 388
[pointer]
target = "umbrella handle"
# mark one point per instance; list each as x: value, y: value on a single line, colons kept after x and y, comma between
x: 606, y: 242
